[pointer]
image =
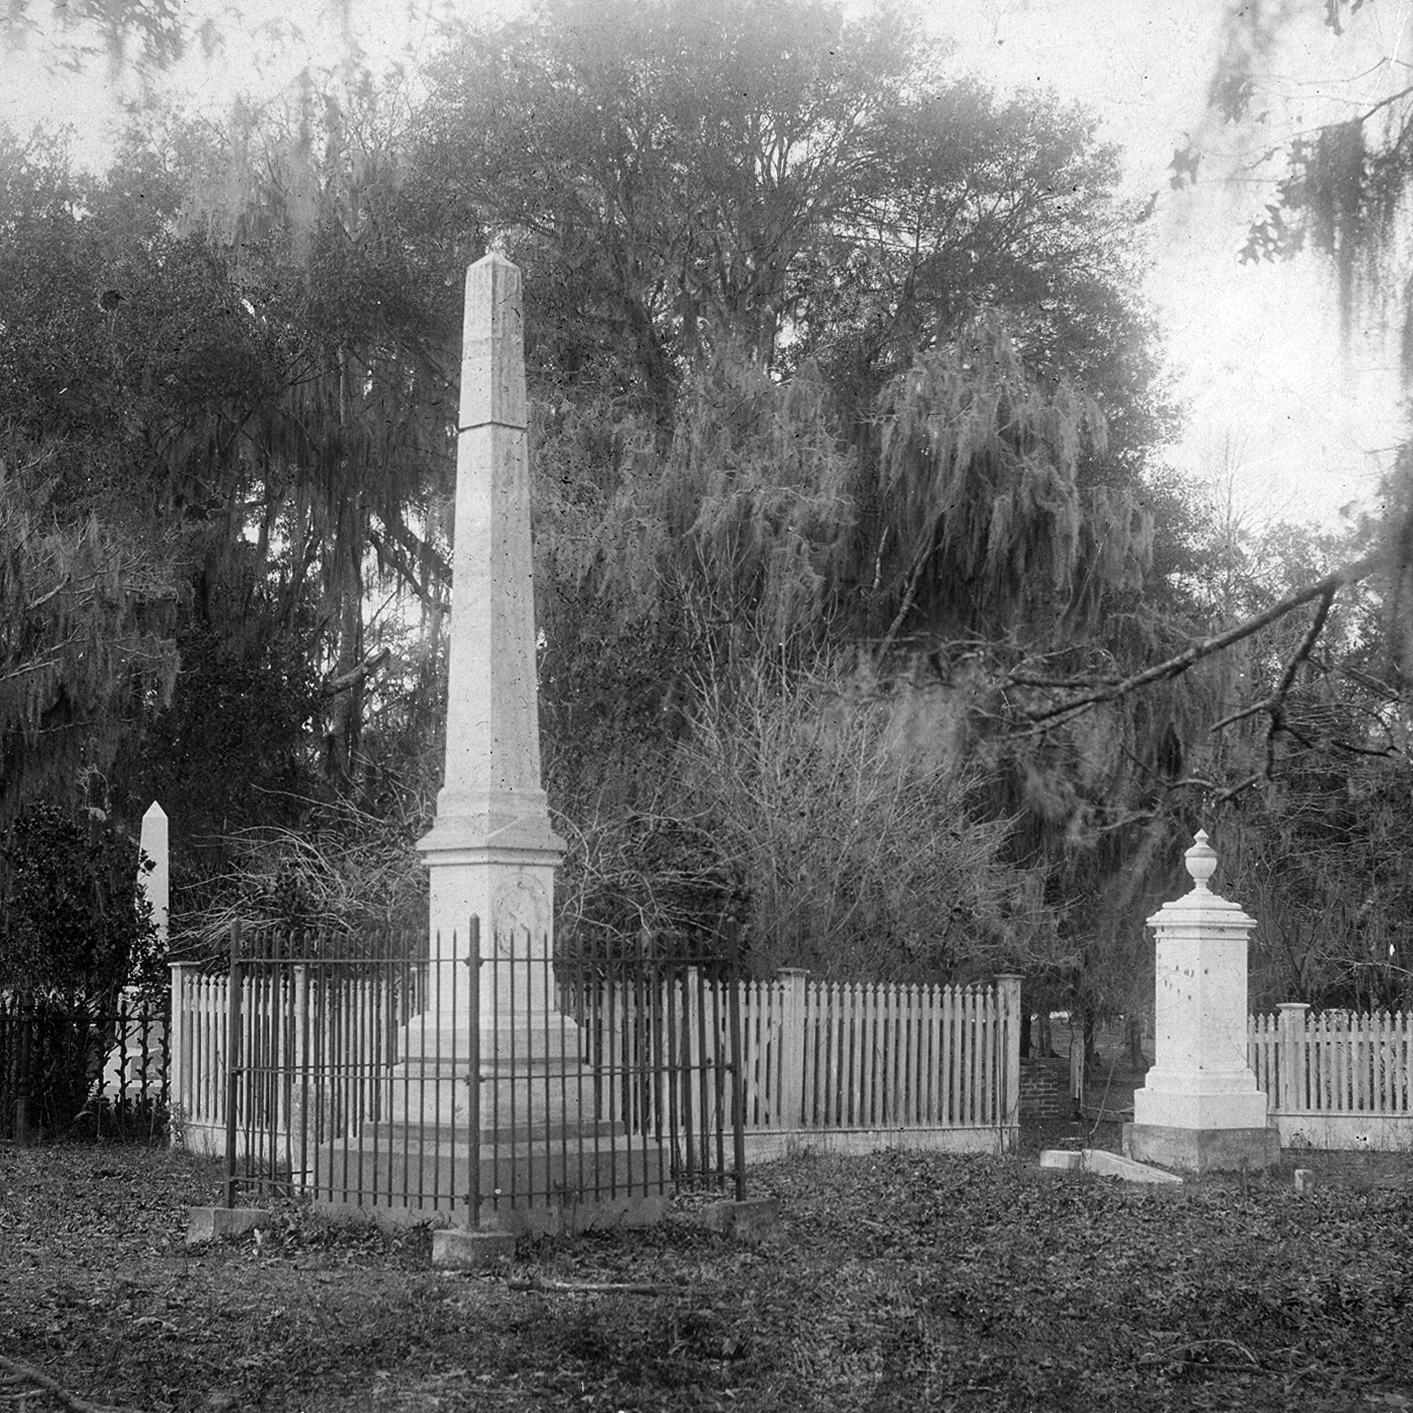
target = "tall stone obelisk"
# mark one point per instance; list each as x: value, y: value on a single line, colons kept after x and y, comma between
x: 491, y: 853
x: 530, y: 1152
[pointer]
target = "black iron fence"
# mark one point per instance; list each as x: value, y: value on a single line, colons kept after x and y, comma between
x: 80, y: 1067
x: 533, y: 1087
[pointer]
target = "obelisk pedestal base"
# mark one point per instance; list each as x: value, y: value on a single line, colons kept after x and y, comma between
x: 527, y: 1079
x: 1203, y: 1150
x: 535, y: 1098
x: 1201, y: 1121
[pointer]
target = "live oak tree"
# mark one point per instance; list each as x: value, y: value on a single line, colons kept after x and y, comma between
x: 676, y: 179
x: 1296, y: 726
x: 228, y: 329
x: 87, y: 599
x: 733, y: 563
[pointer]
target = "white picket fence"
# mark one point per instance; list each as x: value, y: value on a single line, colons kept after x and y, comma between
x: 840, y: 1066
x: 1336, y: 1080
x: 290, y: 1032
x: 856, y: 1066
x: 196, y: 1080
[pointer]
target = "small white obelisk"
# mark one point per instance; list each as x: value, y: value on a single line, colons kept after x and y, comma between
x: 155, y: 883
x: 139, y: 1041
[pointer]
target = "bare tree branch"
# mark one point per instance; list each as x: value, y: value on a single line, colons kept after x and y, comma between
x: 1176, y: 665
x: 1274, y: 704
x: 355, y: 675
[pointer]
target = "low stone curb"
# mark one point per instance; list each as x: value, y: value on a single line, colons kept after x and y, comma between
x: 458, y: 1249
x: 744, y: 1220
x: 210, y: 1223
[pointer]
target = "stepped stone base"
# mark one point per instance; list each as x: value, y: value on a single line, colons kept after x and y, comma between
x: 553, y: 1185
x: 1202, y: 1150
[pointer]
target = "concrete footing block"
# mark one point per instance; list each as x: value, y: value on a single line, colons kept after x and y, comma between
x: 751, y: 1218
x: 1104, y: 1164
x: 1304, y: 1179
x: 210, y: 1223
x: 457, y: 1249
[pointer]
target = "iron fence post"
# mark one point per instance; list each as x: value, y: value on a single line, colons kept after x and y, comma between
x: 233, y: 1058
x: 473, y: 1075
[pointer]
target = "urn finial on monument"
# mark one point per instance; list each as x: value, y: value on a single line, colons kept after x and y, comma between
x: 1201, y: 861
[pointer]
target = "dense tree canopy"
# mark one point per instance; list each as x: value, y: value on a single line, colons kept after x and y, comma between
x: 677, y: 178
x: 862, y: 583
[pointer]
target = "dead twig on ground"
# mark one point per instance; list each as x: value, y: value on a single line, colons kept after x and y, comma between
x: 1189, y: 1353
x: 17, y: 1372
x: 595, y: 1287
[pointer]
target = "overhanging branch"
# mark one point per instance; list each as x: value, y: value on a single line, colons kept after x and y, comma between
x: 1179, y: 663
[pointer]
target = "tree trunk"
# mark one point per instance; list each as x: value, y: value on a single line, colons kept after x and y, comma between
x: 1091, y: 1038
x: 1137, y: 1060
x: 1044, y: 1041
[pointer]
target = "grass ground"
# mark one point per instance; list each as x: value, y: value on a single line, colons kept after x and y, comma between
x: 893, y: 1282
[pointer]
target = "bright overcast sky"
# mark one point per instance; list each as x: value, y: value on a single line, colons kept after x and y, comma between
x: 1299, y: 425
x: 1277, y: 404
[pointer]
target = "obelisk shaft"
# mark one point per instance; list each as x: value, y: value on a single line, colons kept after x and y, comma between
x: 492, y: 792
x: 491, y: 853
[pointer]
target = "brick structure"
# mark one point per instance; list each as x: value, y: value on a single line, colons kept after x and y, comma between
x: 1043, y: 1089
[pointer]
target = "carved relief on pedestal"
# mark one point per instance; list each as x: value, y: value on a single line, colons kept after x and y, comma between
x: 521, y: 906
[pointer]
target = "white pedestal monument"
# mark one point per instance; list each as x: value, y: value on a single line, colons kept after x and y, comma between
x: 1199, y: 1108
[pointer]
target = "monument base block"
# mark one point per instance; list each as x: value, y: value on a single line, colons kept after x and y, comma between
x: 555, y: 1186
x: 1203, y: 1150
